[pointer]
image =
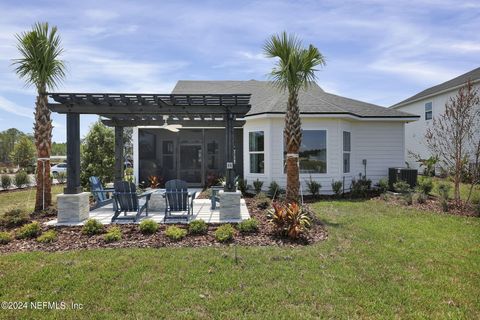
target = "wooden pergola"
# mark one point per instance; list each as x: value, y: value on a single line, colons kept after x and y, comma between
x: 121, y: 110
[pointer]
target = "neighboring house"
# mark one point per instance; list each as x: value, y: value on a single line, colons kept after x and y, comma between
x: 342, y: 138
x: 428, y: 104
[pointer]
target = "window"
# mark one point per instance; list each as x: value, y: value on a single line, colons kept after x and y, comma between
x: 313, y: 152
x: 347, y: 148
x: 428, y: 111
x: 257, y: 151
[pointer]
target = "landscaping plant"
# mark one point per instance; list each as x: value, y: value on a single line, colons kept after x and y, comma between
x: 401, y: 187
x: 444, y: 190
x: 248, y: 226
x: 198, y: 227
x: 175, y: 233
x: 262, y: 201
x: 257, y: 186
x: 337, y: 187
x: 290, y: 220
x: 113, y: 234
x: 21, y: 179
x: 28, y: 231
x: 274, y: 190
x: 361, y: 187
x: 14, y: 218
x: 61, y: 177
x: 383, y: 185
x: 148, y: 226
x: 6, y: 181
x: 92, y: 227
x: 242, y: 185
x: 313, y: 187
x: 425, y: 185
x: 224, y: 233
x: 48, y: 237
x: 5, y: 237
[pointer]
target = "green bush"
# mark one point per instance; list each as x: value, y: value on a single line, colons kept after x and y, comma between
x: 21, y: 179
x: 14, y: 218
x: 175, y: 233
x: 401, y: 187
x: 274, y: 190
x: 313, y: 187
x: 337, y: 187
x: 29, y: 231
x: 6, y: 181
x: 61, y: 177
x: 113, y: 234
x: 242, y: 185
x: 425, y: 185
x: 421, y: 197
x: 92, y: 227
x: 383, y: 185
x: 263, y: 202
x: 224, y: 233
x: 257, y: 186
x: 408, y: 198
x: 248, y: 226
x: 5, y: 237
x: 198, y: 227
x: 148, y: 226
x: 48, y: 237
x: 444, y: 190
x: 361, y: 187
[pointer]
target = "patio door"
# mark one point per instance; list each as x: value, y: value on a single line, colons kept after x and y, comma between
x: 191, y: 163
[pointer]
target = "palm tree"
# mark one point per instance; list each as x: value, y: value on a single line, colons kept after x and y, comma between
x: 40, y: 66
x: 294, y: 71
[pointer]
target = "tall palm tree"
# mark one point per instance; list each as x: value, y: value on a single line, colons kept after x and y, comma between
x: 294, y: 71
x: 40, y: 66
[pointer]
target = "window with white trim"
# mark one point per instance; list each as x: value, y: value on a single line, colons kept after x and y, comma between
x: 256, y: 149
x: 428, y: 111
x: 313, y: 152
x: 347, y: 149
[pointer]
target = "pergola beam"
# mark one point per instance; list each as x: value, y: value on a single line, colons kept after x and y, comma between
x: 185, y: 123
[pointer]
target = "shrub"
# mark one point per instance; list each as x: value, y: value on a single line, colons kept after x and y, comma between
x: 257, y: 186
x: 5, y: 237
x: 444, y: 190
x: 383, y: 185
x: 248, y: 226
x: 274, y: 190
x: 224, y: 233
x: 61, y: 177
x: 408, y: 197
x: 14, y: 218
x: 425, y: 185
x: 6, y: 181
x: 290, y: 220
x: 148, y: 226
x: 92, y: 227
x: 421, y: 197
x: 198, y: 227
x: 29, y: 231
x: 21, y: 179
x: 401, y: 187
x: 175, y: 233
x: 337, y: 187
x: 113, y: 234
x: 313, y: 187
x: 48, y: 237
x: 242, y: 185
x: 263, y: 202
x: 361, y: 187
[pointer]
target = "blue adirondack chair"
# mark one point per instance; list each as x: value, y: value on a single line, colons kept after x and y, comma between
x: 127, y: 200
x: 178, y: 199
x: 99, y: 193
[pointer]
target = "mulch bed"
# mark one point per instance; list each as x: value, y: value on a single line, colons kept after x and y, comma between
x: 71, y: 238
x: 432, y: 204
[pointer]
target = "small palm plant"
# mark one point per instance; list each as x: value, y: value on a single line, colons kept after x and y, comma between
x: 40, y: 66
x: 294, y: 70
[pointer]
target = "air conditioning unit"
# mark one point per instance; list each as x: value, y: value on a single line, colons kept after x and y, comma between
x: 406, y: 174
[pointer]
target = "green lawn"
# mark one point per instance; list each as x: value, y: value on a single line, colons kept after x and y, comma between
x: 464, y: 190
x: 380, y: 261
x: 24, y: 199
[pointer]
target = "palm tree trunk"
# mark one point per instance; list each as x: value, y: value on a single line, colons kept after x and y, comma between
x: 293, y: 137
x: 43, y: 141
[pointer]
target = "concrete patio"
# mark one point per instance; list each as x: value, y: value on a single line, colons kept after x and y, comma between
x: 156, y: 212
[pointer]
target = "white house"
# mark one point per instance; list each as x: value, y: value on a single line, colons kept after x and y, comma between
x: 428, y: 104
x: 342, y: 138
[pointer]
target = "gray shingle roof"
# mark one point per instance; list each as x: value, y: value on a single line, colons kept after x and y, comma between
x: 455, y: 82
x: 268, y: 99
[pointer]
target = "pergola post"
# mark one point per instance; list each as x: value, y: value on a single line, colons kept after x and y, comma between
x: 230, y: 173
x: 73, y: 154
x: 118, y: 153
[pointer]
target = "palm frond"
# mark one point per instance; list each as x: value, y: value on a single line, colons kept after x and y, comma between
x: 40, y: 64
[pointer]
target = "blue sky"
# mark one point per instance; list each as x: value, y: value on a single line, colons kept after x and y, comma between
x: 377, y: 51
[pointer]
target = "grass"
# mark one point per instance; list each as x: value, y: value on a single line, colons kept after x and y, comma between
x: 464, y: 189
x: 380, y: 261
x: 24, y: 199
